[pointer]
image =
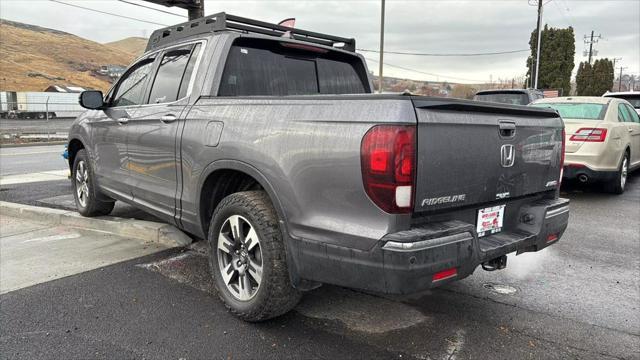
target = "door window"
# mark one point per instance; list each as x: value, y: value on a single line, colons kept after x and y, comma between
x: 174, y: 74
x: 633, y: 114
x: 623, y: 115
x: 130, y: 90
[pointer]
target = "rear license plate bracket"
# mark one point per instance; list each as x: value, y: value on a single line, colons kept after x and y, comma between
x: 490, y: 220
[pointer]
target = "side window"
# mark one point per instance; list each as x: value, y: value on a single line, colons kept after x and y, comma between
x: 633, y: 114
x: 130, y: 90
x: 623, y: 115
x: 173, y: 76
x: 188, y: 73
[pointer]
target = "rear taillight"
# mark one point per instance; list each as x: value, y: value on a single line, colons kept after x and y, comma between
x: 388, y: 166
x: 589, y: 135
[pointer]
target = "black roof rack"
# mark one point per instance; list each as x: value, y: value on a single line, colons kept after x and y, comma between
x: 227, y: 22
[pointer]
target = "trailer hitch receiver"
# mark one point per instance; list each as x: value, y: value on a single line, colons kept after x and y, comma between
x: 495, y: 264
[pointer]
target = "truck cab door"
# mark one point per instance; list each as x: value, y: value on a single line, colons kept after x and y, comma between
x: 110, y: 128
x: 152, y: 141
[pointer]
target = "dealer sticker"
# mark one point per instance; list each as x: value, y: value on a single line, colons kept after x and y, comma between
x: 490, y: 220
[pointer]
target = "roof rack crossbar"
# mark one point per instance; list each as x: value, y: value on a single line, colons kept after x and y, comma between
x: 223, y: 21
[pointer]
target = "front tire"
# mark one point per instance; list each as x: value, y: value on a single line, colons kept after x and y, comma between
x: 247, y: 258
x: 88, y: 198
x: 617, y: 186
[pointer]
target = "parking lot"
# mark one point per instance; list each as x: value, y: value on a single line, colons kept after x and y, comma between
x: 576, y: 299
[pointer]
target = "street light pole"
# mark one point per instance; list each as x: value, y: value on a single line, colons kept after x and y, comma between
x: 381, y: 48
x: 535, y: 86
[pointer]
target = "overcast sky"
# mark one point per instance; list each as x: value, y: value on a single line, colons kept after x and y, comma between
x: 426, y: 26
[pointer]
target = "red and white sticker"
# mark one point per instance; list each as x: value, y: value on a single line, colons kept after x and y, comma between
x: 490, y: 220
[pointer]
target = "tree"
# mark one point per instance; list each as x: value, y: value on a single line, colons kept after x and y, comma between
x: 557, y: 53
x: 583, y: 79
x: 594, y: 80
x: 463, y: 91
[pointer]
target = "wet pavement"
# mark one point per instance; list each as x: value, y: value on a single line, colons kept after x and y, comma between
x: 579, y: 298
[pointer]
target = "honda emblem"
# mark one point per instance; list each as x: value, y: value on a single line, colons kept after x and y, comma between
x: 507, y: 155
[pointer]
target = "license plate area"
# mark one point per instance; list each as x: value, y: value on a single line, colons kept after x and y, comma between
x: 490, y: 220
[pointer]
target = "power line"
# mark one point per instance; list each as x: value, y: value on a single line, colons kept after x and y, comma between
x: 151, y: 8
x: 447, y: 54
x: 107, y: 13
x: 426, y: 73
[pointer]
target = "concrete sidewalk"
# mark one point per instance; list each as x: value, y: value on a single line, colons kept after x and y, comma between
x: 35, y: 252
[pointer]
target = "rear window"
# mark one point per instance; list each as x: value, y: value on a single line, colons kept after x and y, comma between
x: 264, y: 67
x: 633, y: 99
x: 504, y: 98
x: 583, y: 111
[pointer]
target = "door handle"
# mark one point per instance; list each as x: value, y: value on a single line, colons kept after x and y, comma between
x: 123, y: 120
x: 168, y: 118
x: 507, y: 128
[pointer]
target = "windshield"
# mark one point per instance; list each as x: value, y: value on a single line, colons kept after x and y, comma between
x: 634, y: 99
x: 583, y: 111
x: 504, y: 98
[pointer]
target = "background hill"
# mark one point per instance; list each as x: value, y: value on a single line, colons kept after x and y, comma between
x: 132, y: 45
x: 34, y: 57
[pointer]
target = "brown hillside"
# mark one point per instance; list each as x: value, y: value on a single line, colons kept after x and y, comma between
x: 132, y: 45
x: 34, y: 58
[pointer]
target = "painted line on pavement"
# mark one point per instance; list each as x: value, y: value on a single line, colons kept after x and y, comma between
x: 32, y: 153
x: 34, y: 177
x: 53, y: 238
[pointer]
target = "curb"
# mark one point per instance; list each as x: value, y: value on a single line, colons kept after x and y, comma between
x: 144, y: 230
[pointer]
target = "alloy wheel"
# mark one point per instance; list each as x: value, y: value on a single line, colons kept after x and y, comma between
x: 623, y: 174
x: 82, y: 186
x: 240, y: 257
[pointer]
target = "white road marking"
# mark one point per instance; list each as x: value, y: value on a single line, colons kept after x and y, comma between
x: 34, y: 177
x: 32, y: 153
x: 54, y: 238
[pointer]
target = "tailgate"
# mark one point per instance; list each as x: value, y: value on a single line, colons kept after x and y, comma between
x: 472, y: 153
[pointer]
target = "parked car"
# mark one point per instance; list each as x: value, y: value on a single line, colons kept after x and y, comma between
x: 633, y: 97
x: 603, y: 139
x: 509, y: 96
x: 274, y: 149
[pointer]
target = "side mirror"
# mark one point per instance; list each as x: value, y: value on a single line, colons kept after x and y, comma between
x: 92, y: 100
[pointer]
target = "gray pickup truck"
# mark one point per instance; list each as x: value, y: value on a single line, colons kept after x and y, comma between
x: 268, y: 142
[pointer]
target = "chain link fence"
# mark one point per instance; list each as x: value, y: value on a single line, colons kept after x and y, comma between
x: 37, y: 117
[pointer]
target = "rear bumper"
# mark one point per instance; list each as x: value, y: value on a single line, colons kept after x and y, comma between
x: 406, y: 262
x: 579, y: 171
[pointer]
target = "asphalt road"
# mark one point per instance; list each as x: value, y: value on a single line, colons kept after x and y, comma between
x: 31, y: 159
x: 579, y: 298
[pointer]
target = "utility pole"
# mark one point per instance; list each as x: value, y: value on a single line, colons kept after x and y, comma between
x: 196, y: 11
x: 620, y: 79
x: 614, y: 61
x: 591, y: 40
x: 539, y: 31
x: 195, y: 8
x: 381, y: 48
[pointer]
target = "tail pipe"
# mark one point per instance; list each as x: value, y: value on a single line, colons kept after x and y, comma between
x: 583, y: 178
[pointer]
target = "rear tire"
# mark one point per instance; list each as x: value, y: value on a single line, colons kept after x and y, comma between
x: 89, y: 200
x: 618, y: 185
x: 247, y: 258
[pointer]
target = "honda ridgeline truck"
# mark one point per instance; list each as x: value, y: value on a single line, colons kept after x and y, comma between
x: 269, y: 142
